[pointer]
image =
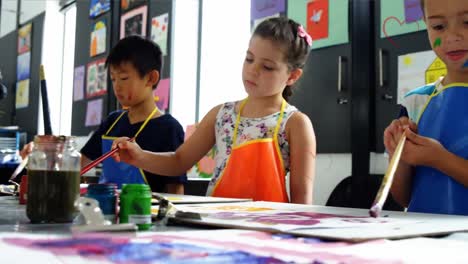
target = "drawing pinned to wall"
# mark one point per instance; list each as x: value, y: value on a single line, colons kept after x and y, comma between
x: 325, y: 31
x: 413, y: 11
x: 94, y: 112
x: 126, y: 5
x: 161, y: 94
x: 159, y: 31
x: 205, y: 167
x: 78, y: 83
x: 393, y: 18
x: 24, y: 38
x: 22, y: 94
x: 98, y: 7
x: 23, y: 66
x: 317, y: 19
x: 96, y: 79
x: 415, y: 70
x: 134, y: 22
x: 264, y: 8
x: 98, y: 39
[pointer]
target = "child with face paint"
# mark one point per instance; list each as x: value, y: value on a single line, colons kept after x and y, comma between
x: 432, y: 176
x: 259, y: 139
x: 134, y: 66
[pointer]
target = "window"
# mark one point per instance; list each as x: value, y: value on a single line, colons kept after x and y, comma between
x: 8, y: 16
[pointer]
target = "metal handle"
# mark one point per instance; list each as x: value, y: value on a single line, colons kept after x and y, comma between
x: 381, y: 80
x: 340, y: 61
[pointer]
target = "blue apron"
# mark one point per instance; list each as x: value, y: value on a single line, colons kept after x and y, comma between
x: 445, y: 118
x: 120, y: 172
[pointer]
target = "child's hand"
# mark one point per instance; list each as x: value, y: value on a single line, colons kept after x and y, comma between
x: 395, y: 130
x: 27, y: 149
x: 419, y: 150
x: 129, y: 151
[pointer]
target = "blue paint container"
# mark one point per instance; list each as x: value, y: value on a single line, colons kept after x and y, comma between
x: 106, y: 195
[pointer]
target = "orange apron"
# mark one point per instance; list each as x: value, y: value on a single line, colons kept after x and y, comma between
x: 255, y: 168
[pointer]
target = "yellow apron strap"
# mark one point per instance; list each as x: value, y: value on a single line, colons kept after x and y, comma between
x: 236, y: 126
x: 146, y: 122
x: 115, y: 122
x: 280, y: 119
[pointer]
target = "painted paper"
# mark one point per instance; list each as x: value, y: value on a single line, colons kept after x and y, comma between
x: 98, y: 7
x: 317, y: 19
x: 338, y: 17
x: 134, y: 22
x: 22, y: 94
x: 96, y: 79
x: 78, y: 83
x: 126, y: 5
x: 98, y: 39
x: 393, y: 19
x: 264, y: 8
x: 413, y: 10
x: 159, y: 31
x: 161, y: 94
x: 24, y: 38
x: 23, y: 66
x: 94, y: 112
x: 415, y: 70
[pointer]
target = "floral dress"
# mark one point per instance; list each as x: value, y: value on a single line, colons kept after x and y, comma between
x: 249, y: 129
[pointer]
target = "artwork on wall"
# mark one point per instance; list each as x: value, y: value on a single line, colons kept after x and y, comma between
x: 78, y: 83
x: 98, y: 39
x: 96, y: 79
x: 94, y: 112
x: 22, y: 94
x: 264, y: 8
x: 126, y: 5
x: 23, y: 66
x: 159, y: 31
x: 24, y: 38
x: 317, y: 19
x: 98, y: 7
x: 161, y: 94
x: 134, y: 22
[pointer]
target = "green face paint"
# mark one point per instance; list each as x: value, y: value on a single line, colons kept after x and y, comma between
x: 437, y: 42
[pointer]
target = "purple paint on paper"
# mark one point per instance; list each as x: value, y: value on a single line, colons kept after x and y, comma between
x: 413, y: 11
x: 264, y: 8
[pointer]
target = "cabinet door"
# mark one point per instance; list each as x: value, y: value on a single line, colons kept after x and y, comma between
x: 323, y: 95
x: 387, y: 51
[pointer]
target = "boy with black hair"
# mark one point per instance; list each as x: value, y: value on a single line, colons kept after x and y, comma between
x: 135, y: 65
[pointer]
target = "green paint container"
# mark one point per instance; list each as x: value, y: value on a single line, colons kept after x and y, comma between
x: 135, y: 205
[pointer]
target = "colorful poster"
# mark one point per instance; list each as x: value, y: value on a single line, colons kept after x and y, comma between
x: 413, y: 10
x: 24, y: 38
x: 159, y: 31
x: 264, y: 8
x: 204, y: 168
x: 336, y: 25
x: 126, y: 5
x: 418, y: 69
x: 22, y: 94
x: 23, y: 66
x: 161, y: 94
x: 317, y: 19
x: 98, y: 7
x: 96, y: 83
x: 94, y: 112
x: 393, y: 19
x: 134, y: 22
x: 78, y: 83
x: 98, y: 39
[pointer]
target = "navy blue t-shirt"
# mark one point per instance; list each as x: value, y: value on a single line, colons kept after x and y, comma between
x: 161, y: 134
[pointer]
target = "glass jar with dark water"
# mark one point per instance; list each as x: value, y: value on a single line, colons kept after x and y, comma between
x: 53, y: 180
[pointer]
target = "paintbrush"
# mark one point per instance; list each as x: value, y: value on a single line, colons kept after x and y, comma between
x: 19, y: 169
x: 166, y: 208
x: 100, y: 159
x: 387, y: 179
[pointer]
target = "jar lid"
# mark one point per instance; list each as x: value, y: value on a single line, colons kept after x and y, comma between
x: 135, y: 187
x: 52, y: 139
x: 102, y: 186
